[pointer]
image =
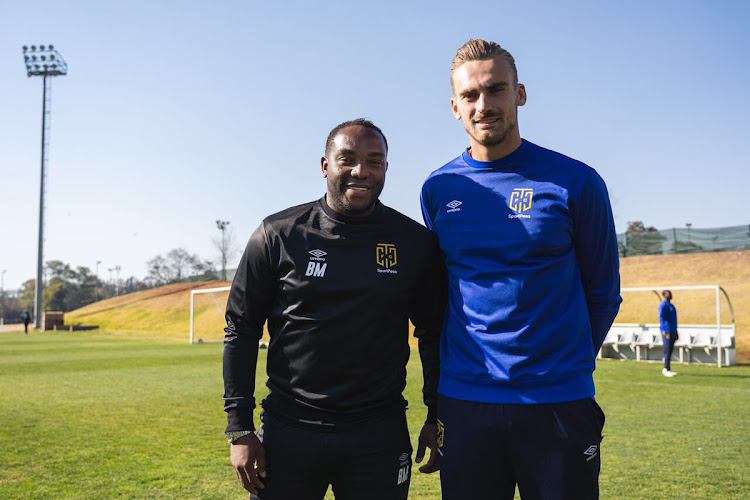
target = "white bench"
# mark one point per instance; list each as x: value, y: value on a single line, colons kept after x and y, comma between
x: 696, y: 343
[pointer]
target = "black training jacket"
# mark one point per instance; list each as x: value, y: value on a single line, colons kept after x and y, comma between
x: 338, y: 293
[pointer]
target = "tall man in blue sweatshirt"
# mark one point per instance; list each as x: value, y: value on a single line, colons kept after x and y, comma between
x: 529, y: 242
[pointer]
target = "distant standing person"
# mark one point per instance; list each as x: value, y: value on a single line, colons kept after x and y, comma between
x: 669, y: 335
x: 26, y: 321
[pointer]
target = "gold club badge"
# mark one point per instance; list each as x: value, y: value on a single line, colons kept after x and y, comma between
x: 520, y: 199
x: 385, y: 255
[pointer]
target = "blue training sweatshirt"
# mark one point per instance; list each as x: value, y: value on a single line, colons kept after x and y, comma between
x: 534, y: 285
x: 667, y: 317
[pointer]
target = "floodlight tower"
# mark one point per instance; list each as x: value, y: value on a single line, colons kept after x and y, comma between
x: 2, y: 297
x: 117, y: 283
x: 46, y: 62
x: 222, y: 225
x: 96, y: 287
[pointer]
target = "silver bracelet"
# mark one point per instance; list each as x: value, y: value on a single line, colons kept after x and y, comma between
x: 233, y: 436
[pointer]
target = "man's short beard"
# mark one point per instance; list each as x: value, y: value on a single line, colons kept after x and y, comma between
x: 493, y: 139
x: 346, y: 208
x: 343, y: 206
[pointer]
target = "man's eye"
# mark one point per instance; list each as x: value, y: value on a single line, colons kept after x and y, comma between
x: 376, y: 163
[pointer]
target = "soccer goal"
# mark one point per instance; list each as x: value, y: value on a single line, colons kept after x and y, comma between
x: 207, y: 306
x: 707, y: 338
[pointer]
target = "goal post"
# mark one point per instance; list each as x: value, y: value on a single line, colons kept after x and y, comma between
x: 207, y: 318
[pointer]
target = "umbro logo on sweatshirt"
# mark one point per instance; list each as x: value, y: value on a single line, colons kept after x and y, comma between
x: 454, y: 206
x: 318, y: 254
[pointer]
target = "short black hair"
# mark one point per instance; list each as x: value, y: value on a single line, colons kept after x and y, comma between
x: 362, y: 122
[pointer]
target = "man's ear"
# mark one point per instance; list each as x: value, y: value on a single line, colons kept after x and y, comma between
x: 454, y: 108
x: 521, y: 94
x: 324, y: 165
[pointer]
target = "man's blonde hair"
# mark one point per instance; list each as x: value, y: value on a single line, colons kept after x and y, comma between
x: 477, y: 49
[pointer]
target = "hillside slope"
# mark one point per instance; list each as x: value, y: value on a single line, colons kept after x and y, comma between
x: 164, y: 311
x: 158, y: 312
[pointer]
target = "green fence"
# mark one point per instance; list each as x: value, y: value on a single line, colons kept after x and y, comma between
x: 683, y: 240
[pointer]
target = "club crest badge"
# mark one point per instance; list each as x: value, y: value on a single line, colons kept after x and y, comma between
x: 385, y: 255
x: 520, y: 199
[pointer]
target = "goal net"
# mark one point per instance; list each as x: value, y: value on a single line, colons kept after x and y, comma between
x: 207, y: 307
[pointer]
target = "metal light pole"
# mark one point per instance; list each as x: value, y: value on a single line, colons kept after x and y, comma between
x: 96, y: 285
x: 42, y: 61
x: 2, y: 298
x: 222, y: 225
x: 117, y: 283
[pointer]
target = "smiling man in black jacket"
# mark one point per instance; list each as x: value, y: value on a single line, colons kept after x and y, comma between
x: 337, y: 280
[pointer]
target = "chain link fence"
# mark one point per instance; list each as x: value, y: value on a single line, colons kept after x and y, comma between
x: 683, y: 240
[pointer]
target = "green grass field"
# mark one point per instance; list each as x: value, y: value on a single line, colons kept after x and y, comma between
x: 97, y: 416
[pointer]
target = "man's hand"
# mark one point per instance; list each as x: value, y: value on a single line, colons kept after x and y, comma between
x: 428, y: 438
x: 249, y: 461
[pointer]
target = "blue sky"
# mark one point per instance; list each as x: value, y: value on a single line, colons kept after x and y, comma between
x: 176, y: 114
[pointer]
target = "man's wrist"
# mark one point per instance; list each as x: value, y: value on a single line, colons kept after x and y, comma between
x: 233, y: 436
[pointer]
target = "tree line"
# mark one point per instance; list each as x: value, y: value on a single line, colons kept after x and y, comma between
x: 68, y: 288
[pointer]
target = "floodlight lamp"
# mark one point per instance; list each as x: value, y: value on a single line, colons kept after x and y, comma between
x: 36, y: 66
x: 33, y: 47
x: 51, y: 57
x: 51, y: 47
x: 54, y: 66
x: 33, y: 58
x: 26, y: 58
x: 43, y: 58
x: 41, y: 47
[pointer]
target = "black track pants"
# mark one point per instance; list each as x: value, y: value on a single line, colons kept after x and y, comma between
x: 551, y: 451
x: 368, y: 462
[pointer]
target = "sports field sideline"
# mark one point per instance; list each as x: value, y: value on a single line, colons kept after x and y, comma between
x: 98, y: 416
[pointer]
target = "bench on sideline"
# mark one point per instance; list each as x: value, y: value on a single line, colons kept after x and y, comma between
x: 707, y: 343
x: 696, y: 343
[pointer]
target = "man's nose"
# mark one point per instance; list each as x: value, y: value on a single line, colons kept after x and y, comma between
x: 359, y: 171
x: 481, y: 103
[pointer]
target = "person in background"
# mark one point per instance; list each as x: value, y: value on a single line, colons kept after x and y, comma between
x: 26, y: 321
x: 668, y: 326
